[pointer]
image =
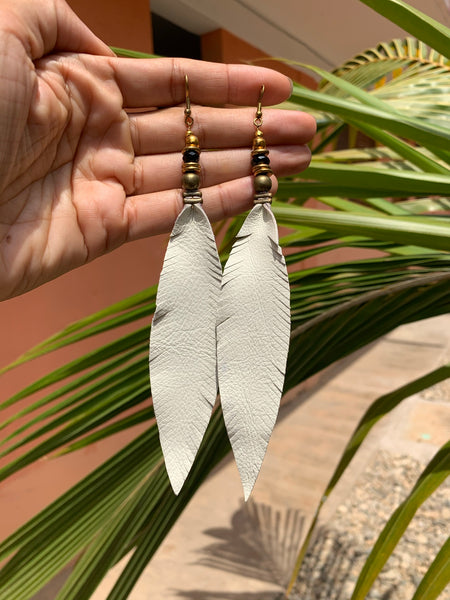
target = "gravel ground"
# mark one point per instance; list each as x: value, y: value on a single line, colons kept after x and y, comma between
x: 331, y: 567
x: 437, y: 393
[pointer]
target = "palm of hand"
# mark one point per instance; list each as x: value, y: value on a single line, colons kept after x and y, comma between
x: 79, y: 175
x: 69, y: 167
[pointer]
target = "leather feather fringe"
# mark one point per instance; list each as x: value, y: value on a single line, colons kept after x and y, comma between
x: 253, y: 340
x: 183, y: 341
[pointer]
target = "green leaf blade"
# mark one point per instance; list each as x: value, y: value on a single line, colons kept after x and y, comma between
x: 437, y: 577
x: 434, y: 474
x: 423, y: 27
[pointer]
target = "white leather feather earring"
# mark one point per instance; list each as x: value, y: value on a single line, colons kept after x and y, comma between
x: 183, y: 374
x: 253, y: 325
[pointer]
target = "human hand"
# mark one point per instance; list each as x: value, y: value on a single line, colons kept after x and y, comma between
x: 80, y: 174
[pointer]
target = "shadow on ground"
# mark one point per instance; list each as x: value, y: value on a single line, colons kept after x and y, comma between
x: 231, y: 596
x: 262, y: 544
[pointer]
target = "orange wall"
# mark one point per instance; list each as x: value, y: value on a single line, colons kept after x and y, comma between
x: 222, y: 46
x: 117, y: 22
x: 28, y: 319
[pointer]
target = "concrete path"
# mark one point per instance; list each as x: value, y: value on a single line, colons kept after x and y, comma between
x: 210, y: 553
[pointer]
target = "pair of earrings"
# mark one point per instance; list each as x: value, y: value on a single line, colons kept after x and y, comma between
x: 215, y: 331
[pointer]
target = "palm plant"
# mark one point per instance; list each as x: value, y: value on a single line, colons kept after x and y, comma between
x: 390, y: 197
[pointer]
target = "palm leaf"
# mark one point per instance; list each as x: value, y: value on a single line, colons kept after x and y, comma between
x: 138, y: 306
x: 406, y: 74
x: 427, y: 232
x: 378, y: 409
x: 73, y: 522
x: 433, y: 33
x: 434, y: 474
x: 437, y: 577
x: 403, y: 149
x: 403, y: 77
x: 413, y: 128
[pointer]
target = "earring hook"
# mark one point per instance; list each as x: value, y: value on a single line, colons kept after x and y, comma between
x: 259, y: 109
x: 257, y: 121
x: 188, y: 100
x: 189, y: 121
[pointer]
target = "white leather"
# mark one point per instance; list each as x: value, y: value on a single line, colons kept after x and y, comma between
x: 253, y: 340
x: 183, y: 341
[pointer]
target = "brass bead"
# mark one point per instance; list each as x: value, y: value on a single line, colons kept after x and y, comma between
x: 190, y: 181
x: 259, y: 143
x: 192, y: 197
x: 191, y: 141
x: 191, y: 167
x: 263, y: 198
x: 261, y: 170
x: 262, y: 183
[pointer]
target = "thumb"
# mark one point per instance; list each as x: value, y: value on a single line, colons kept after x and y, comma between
x: 48, y: 26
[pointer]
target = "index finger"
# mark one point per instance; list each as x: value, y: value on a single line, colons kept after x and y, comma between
x: 161, y: 82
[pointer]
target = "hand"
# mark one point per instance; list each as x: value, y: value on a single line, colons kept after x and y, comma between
x: 81, y: 173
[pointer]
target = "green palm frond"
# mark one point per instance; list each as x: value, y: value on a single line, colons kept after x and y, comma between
x: 415, y: 22
x: 406, y: 73
x: 95, y: 508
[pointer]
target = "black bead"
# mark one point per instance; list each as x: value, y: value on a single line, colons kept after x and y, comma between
x: 260, y: 159
x: 191, y: 155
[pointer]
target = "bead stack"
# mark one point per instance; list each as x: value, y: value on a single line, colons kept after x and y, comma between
x: 191, y: 170
x: 261, y: 169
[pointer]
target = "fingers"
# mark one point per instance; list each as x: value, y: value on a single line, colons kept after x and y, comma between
x: 161, y: 82
x: 163, y: 130
x: 163, y: 172
x: 74, y: 35
x: 50, y: 25
x: 226, y: 190
x: 151, y: 214
x: 158, y: 138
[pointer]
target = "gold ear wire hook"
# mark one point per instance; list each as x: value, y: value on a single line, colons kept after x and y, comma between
x: 261, y: 94
x: 257, y: 121
x: 188, y: 100
x: 189, y: 121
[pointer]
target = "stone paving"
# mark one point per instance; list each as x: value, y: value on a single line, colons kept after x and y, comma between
x: 340, y: 548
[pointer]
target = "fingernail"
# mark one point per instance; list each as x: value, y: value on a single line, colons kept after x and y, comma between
x: 292, y: 85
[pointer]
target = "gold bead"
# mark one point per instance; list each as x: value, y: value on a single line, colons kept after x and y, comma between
x: 195, y: 167
x: 259, y: 143
x: 190, y: 181
x: 191, y: 141
x: 261, y: 169
x: 262, y: 183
